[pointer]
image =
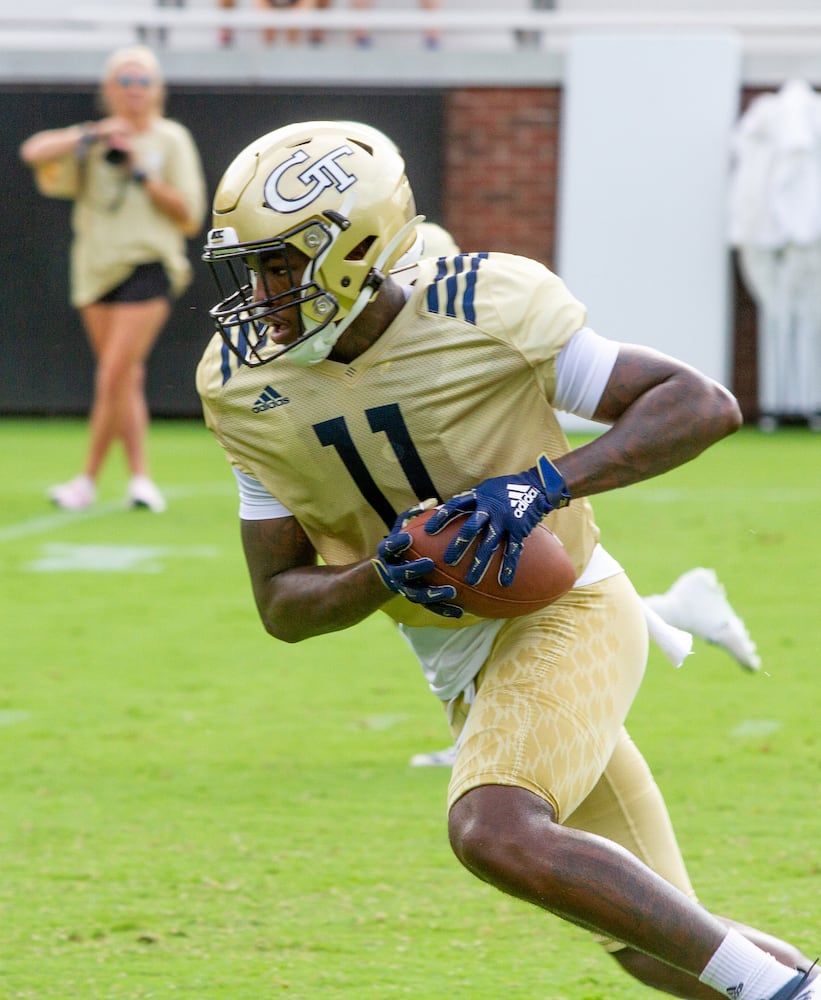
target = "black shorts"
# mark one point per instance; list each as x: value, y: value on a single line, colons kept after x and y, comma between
x: 146, y: 281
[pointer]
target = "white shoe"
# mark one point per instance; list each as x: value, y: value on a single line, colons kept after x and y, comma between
x: 438, y: 758
x: 143, y: 493
x: 697, y: 603
x: 76, y: 494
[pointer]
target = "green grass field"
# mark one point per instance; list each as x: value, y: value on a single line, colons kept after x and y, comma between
x: 191, y: 809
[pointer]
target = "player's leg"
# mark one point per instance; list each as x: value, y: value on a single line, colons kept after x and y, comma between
x: 509, y: 837
x: 626, y: 806
x: 545, y: 721
x: 546, y: 718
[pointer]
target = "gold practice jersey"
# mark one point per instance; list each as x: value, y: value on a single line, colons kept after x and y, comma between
x: 457, y: 389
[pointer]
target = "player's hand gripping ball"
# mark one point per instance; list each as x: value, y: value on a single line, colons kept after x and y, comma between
x: 544, y: 572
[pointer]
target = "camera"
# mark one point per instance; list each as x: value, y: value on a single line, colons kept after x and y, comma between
x: 115, y: 156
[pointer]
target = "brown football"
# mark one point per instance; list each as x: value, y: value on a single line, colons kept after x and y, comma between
x: 544, y: 573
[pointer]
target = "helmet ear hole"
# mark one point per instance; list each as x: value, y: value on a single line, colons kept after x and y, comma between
x: 361, y: 249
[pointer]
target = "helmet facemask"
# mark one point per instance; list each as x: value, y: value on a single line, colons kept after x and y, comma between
x: 243, y: 319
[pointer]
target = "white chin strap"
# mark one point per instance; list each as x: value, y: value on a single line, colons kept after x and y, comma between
x: 415, y: 253
x: 319, y: 345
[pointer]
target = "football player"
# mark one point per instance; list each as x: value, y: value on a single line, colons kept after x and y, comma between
x: 343, y: 397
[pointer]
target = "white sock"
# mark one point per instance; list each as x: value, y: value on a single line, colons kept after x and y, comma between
x: 742, y: 971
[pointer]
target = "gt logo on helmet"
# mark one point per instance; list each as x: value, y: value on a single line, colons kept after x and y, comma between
x: 317, y: 177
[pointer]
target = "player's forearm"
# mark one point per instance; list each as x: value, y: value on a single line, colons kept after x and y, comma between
x: 314, y: 600
x: 667, y: 426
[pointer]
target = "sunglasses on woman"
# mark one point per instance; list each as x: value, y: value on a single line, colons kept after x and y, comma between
x: 127, y: 80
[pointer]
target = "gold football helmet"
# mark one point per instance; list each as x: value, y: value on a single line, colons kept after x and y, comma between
x: 334, y: 191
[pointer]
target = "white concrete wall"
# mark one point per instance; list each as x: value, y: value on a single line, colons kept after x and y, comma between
x: 643, y: 190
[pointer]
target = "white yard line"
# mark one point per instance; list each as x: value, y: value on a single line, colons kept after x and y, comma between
x: 44, y: 523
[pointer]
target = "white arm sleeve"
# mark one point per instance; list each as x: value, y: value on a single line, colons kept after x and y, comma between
x: 255, y: 502
x: 583, y: 367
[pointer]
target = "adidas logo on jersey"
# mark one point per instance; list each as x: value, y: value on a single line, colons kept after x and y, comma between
x: 521, y: 497
x: 268, y: 399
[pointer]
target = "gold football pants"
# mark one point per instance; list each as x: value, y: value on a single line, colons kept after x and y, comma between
x: 548, y: 715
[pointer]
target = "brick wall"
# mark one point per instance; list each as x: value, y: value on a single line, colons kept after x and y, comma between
x: 501, y: 166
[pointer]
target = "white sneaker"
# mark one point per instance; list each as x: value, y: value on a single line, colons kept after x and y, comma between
x: 76, y: 494
x: 438, y: 758
x: 697, y: 603
x: 143, y: 493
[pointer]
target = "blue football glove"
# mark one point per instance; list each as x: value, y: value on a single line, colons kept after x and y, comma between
x: 405, y: 577
x: 503, y: 511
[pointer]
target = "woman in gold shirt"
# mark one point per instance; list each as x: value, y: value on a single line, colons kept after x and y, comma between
x: 136, y: 181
